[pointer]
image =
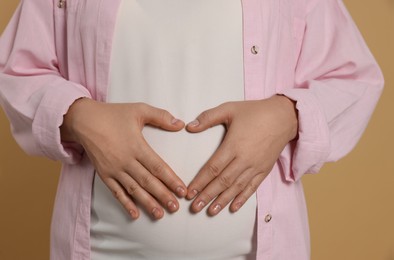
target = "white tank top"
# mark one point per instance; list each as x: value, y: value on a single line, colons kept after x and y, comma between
x: 183, y: 56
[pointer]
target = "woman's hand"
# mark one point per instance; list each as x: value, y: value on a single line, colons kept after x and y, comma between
x: 111, y: 136
x: 257, y: 132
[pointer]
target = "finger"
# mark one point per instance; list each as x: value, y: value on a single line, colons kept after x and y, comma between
x: 151, y: 184
x: 141, y: 196
x: 161, y: 118
x: 209, y: 118
x: 250, y: 189
x: 220, y: 184
x: 238, y: 186
x: 120, y: 194
x: 158, y: 168
x: 213, y: 168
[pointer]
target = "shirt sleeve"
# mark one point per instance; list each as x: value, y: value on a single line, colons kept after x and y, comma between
x: 33, y: 93
x: 337, y: 86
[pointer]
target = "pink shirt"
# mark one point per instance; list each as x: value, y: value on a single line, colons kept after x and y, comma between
x: 55, y: 51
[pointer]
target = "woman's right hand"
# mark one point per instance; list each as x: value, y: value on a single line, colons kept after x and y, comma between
x: 111, y: 135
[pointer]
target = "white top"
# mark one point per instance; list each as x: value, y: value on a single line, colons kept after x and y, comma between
x: 184, y: 56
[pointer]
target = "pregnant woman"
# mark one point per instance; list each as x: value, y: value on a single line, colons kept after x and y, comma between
x: 184, y: 127
x: 171, y: 55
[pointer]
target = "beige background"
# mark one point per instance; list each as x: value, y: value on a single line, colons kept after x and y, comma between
x: 351, y: 203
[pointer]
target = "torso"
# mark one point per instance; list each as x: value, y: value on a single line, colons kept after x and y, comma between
x: 183, y: 56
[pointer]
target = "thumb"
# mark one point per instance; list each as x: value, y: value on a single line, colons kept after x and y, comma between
x: 209, y: 118
x: 162, y: 119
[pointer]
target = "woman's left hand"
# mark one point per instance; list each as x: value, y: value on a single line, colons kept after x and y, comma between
x: 257, y: 132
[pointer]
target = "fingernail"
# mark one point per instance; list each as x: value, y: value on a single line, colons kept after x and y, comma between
x: 216, y: 209
x: 172, y: 206
x: 237, y: 206
x: 194, y: 123
x: 133, y: 214
x: 200, y: 205
x: 174, y: 121
x: 156, y: 213
x: 180, y: 191
x: 192, y: 194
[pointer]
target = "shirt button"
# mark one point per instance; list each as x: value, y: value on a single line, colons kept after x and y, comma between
x: 268, y: 218
x: 61, y: 3
x: 255, y: 49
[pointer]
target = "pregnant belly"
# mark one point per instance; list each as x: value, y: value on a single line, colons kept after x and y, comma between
x: 182, y: 235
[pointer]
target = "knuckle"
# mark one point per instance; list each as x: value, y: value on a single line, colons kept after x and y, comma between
x: 213, y: 170
x: 205, y: 116
x: 132, y: 189
x: 142, y: 109
x: 117, y: 194
x: 162, y: 113
x: 240, y: 186
x: 225, y: 104
x: 226, y: 111
x: 140, y: 149
x: 140, y: 105
x: 146, y: 181
x: 253, y: 187
x: 225, y: 181
x: 158, y: 169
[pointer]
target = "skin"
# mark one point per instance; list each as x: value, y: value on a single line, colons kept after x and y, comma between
x: 111, y: 136
x: 257, y: 131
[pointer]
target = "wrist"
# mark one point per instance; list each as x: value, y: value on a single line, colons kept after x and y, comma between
x: 291, y: 111
x: 68, y: 129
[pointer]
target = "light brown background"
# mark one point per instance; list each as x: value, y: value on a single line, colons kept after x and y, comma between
x: 351, y: 202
